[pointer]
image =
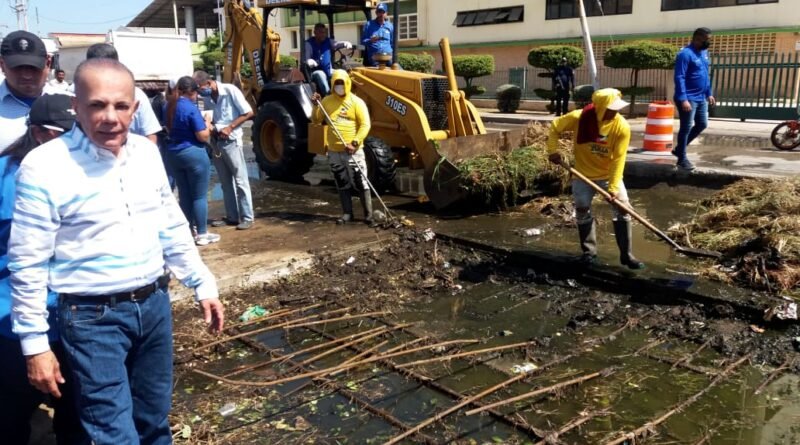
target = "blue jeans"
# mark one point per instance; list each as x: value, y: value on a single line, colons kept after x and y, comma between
x: 121, y: 359
x: 19, y: 400
x: 582, y: 195
x: 688, y: 132
x: 232, y: 171
x: 321, y: 80
x: 191, y: 169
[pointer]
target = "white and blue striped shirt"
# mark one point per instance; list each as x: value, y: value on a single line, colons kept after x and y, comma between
x: 86, y: 222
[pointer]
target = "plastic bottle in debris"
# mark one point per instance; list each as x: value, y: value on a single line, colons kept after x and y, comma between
x: 526, y: 233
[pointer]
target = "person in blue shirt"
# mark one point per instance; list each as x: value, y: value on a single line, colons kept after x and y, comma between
x: 319, y: 53
x: 693, y: 93
x: 563, y: 83
x: 187, y: 157
x: 377, y: 35
x: 50, y: 116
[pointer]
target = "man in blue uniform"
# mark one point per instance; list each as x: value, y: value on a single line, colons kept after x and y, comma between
x: 563, y: 83
x: 319, y: 50
x: 377, y: 35
x: 692, y: 92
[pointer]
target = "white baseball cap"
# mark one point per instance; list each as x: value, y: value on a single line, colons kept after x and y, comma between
x: 618, y: 104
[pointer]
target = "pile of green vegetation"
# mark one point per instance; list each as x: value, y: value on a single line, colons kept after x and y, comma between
x: 755, y: 223
x: 499, y: 177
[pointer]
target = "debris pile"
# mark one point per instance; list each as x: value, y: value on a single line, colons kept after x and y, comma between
x: 756, y: 224
x: 500, y: 177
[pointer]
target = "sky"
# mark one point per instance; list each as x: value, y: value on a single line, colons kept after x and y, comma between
x: 76, y: 16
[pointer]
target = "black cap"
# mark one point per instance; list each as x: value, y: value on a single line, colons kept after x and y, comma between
x: 52, y: 110
x: 21, y: 48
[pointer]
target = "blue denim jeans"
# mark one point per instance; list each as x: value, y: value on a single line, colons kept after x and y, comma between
x: 232, y: 171
x: 121, y: 359
x: 321, y: 80
x: 688, y: 132
x: 582, y: 195
x: 19, y: 399
x: 192, y: 169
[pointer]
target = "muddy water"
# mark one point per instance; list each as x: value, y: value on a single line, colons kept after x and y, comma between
x: 639, y: 390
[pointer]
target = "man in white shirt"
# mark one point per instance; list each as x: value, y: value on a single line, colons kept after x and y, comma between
x: 59, y: 83
x: 95, y: 220
x: 231, y: 111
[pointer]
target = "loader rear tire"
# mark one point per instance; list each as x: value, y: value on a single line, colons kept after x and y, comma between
x: 381, y: 166
x: 277, y: 146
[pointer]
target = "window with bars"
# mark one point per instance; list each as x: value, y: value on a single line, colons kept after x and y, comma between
x: 568, y: 9
x: 479, y: 17
x: 676, y: 5
x: 407, y: 26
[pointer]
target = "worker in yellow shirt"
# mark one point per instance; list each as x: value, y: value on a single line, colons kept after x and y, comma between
x: 350, y: 116
x: 600, y: 140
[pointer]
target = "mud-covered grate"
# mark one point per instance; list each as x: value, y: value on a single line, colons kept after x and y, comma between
x: 433, y: 102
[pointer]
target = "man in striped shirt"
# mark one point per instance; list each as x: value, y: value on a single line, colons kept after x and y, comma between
x: 95, y: 220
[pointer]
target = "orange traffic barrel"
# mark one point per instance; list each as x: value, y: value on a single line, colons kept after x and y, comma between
x: 658, y: 132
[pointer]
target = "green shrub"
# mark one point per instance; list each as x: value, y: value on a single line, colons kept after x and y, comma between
x: 638, y: 56
x: 289, y: 61
x: 421, y: 63
x: 545, y: 93
x: 470, y: 67
x: 549, y: 57
x: 210, y: 58
x: 508, y: 97
x: 583, y: 95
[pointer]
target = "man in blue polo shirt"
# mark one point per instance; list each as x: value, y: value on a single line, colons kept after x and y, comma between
x: 377, y: 35
x: 319, y: 53
x: 692, y: 93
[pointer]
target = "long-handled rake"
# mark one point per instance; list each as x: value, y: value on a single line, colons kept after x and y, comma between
x: 389, y: 217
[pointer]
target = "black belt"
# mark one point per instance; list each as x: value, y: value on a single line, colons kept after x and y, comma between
x: 135, y: 295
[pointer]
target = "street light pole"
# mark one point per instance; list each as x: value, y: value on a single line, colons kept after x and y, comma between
x: 587, y: 41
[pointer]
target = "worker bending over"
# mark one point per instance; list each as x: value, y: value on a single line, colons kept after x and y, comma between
x: 600, y: 141
x: 350, y: 116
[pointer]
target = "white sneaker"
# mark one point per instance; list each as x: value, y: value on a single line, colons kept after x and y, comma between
x: 206, y: 239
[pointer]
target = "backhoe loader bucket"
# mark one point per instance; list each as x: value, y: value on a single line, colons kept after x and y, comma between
x: 444, y: 184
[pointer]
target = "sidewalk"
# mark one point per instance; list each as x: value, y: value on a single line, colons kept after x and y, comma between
x: 727, y: 149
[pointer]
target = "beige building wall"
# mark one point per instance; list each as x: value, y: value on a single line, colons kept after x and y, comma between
x: 437, y: 16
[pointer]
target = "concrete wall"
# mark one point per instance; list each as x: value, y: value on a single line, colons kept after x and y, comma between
x: 436, y: 18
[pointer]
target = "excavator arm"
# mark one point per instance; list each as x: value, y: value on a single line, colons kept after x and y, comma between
x: 246, y: 35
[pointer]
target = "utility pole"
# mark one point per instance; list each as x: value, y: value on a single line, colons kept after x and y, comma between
x: 587, y: 41
x: 21, y: 8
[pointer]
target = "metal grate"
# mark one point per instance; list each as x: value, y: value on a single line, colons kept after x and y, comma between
x: 433, y: 102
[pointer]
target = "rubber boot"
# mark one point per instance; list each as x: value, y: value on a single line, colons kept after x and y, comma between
x: 366, y: 204
x: 347, y: 207
x: 588, y: 238
x: 623, y: 231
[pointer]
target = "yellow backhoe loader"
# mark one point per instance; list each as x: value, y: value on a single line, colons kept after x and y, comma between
x: 419, y: 121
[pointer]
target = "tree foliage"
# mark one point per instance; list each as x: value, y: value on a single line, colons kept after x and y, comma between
x: 549, y: 57
x: 421, y: 63
x: 470, y: 67
x: 213, y: 42
x: 643, y: 55
x: 638, y: 56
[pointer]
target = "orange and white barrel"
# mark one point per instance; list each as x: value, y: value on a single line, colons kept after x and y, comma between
x: 658, y: 132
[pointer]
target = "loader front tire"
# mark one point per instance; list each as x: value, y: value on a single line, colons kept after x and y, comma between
x: 277, y: 146
x: 381, y: 166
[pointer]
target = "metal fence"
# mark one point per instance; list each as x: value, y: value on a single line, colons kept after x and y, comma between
x: 756, y: 86
x: 530, y: 79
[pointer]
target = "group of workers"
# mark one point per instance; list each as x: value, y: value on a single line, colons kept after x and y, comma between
x: 90, y: 229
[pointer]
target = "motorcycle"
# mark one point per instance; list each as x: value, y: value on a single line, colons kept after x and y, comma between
x: 786, y: 135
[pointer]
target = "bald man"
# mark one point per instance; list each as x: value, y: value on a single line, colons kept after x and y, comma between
x: 96, y: 221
